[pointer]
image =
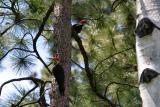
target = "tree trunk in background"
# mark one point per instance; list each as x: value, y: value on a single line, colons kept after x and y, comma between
x: 62, y: 45
x: 148, y: 52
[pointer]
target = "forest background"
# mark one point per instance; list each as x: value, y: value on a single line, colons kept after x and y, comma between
x: 108, y: 39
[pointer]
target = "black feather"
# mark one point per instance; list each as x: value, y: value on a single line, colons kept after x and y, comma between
x: 77, y: 28
x: 58, y: 73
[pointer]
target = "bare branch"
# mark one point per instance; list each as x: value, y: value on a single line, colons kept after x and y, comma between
x: 4, y: 7
x: 28, y: 33
x: 32, y: 89
x: 77, y: 64
x: 35, y: 80
x: 41, y: 99
x: 5, y: 14
x: 44, y: 21
x: 4, y: 3
x: 2, y: 19
x: 39, y: 33
x: 1, y: 34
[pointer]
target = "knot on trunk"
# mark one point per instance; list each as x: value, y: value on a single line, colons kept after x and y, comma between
x: 145, y: 27
x: 147, y: 75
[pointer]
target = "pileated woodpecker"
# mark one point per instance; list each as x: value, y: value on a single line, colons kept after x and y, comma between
x: 76, y: 28
x: 58, y: 73
x: 58, y: 70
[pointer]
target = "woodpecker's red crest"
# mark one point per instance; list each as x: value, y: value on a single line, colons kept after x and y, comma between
x: 56, y: 57
x: 83, y: 21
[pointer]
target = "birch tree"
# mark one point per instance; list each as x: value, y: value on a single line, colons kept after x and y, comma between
x: 148, y: 51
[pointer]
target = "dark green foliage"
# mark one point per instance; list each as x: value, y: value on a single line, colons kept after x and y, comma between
x: 110, y: 48
x: 22, y: 62
x: 111, y: 53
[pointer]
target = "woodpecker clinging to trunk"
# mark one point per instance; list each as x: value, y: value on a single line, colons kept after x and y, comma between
x: 76, y: 28
x: 58, y: 73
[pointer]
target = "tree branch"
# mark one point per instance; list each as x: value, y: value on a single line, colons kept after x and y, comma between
x: 111, y: 57
x: 1, y: 34
x: 8, y: 28
x: 117, y: 94
x: 15, y: 49
x: 42, y: 99
x: 39, y: 33
x: 36, y: 85
x: 111, y: 83
x: 77, y: 64
x: 89, y: 72
x: 29, y: 104
x: 110, y: 66
x: 35, y: 80
x: 116, y: 3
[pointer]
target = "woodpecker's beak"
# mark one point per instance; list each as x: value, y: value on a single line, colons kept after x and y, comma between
x: 55, y: 58
x: 55, y: 61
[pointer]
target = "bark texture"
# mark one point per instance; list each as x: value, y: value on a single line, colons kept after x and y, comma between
x: 148, y: 53
x: 62, y: 45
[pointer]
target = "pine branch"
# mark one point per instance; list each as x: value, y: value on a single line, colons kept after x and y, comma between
x: 35, y: 102
x: 74, y: 62
x: 110, y: 66
x: 89, y: 72
x: 36, y: 81
x: 8, y: 28
x: 100, y: 62
x: 32, y: 89
x: 117, y: 83
x: 25, y: 50
x: 42, y: 100
x: 118, y: 97
x: 20, y: 21
x: 41, y: 28
x: 116, y: 3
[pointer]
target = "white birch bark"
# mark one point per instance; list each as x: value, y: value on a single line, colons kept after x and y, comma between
x: 148, y: 52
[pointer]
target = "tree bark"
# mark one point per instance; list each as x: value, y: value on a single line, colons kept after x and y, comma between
x: 148, y: 52
x: 62, y: 45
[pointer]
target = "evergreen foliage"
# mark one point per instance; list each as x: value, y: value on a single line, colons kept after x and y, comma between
x: 107, y: 38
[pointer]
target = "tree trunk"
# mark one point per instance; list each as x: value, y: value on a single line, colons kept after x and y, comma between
x: 62, y: 45
x: 148, y: 51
